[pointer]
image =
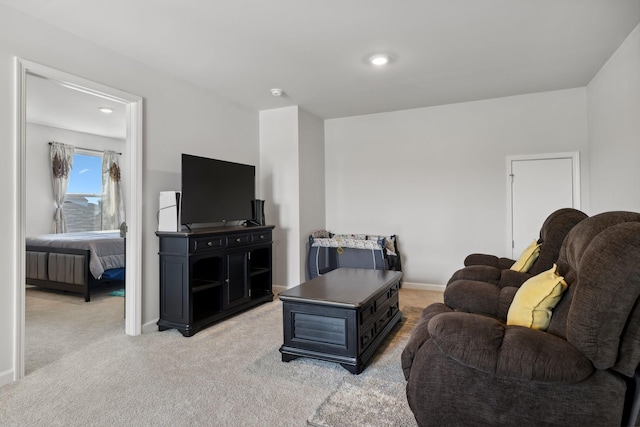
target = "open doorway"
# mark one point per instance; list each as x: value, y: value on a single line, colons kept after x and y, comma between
x: 132, y: 168
x: 58, y: 322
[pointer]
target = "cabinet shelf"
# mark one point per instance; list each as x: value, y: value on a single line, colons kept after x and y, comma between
x: 256, y: 271
x: 203, y: 285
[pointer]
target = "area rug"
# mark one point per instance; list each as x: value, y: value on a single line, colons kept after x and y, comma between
x: 376, y: 397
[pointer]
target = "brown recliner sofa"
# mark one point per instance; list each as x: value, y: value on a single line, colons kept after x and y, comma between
x: 469, y: 369
x: 487, y: 285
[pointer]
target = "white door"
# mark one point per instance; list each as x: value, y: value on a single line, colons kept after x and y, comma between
x: 537, y: 186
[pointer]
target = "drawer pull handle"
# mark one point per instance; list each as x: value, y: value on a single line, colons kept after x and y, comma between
x: 209, y: 243
x: 238, y: 240
x: 262, y: 237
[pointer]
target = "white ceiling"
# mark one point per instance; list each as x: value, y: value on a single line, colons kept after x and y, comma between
x: 444, y: 51
x: 51, y: 104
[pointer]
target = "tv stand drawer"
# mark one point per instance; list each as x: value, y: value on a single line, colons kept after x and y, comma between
x: 264, y: 236
x: 207, y: 243
x: 238, y: 240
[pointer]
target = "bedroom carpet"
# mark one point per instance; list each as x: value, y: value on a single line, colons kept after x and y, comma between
x: 228, y: 374
x: 58, y: 323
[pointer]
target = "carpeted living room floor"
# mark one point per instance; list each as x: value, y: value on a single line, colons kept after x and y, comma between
x: 83, y: 370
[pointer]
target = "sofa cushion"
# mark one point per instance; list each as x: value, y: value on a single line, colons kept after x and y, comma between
x: 480, y: 273
x: 490, y: 346
x: 420, y: 335
x: 513, y: 278
x: 473, y: 296
x: 531, y: 307
x: 527, y: 258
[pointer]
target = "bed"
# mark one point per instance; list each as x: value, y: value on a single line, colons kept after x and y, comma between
x: 75, y: 262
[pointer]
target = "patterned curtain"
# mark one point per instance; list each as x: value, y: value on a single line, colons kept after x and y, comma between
x: 61, y: 164
x: 112, y: 205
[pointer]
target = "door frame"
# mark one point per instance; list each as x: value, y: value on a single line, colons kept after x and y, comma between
x: 133, y: 210
x: 575, y: 162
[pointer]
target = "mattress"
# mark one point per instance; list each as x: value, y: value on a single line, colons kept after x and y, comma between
x: 106, y: 248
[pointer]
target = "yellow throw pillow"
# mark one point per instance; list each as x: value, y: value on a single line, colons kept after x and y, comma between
x: 532, y: 304
x: 528, y: 257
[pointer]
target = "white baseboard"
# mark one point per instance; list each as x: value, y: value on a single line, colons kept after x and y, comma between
x: 150, y: 326
x: 7, y: 377
x: 423, y: 286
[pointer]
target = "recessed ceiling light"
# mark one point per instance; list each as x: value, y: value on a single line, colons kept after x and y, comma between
x: 106, y: 110
x: 379, y: 59
x: 276, y: 91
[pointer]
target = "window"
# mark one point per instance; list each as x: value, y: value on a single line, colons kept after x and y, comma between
x: 82, y: 204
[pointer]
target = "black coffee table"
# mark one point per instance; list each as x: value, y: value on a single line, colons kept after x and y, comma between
x: 342, y: 316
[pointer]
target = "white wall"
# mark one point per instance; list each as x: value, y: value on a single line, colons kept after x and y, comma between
x: 292, y: 184
x: 614, y: 130
x: 436, y: 176
x: 312, y: 181
x: 178, y: 118
x: 40, y: 206
x: 279, y: 187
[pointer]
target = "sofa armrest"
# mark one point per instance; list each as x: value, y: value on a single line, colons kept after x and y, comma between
x: 488, y: 260
x: 473, y: 296
x: 481, y: 273
x: 513, y: 278
x: 420, y: 335
x: 514, y: 352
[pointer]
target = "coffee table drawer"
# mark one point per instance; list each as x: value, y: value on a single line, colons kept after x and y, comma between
x: 368, y: 312
x: 386, y: 315
x: 367, y: 336
x: 319, y: 328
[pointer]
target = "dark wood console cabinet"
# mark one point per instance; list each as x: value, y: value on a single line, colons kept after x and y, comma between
x: 210, y: 274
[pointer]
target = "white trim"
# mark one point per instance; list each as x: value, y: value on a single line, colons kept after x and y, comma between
x: 575, y: 163
x: 19, y: 220
x: 423, y: 286
x: 133, y: 276
x: 133, y: 151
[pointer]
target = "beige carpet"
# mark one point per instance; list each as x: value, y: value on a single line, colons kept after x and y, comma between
x: 228, y: 374
x: 58, y: 323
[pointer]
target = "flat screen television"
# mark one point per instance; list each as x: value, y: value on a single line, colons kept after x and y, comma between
x: 216, y: 190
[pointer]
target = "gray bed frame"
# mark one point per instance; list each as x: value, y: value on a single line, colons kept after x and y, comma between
x: 63, y: 269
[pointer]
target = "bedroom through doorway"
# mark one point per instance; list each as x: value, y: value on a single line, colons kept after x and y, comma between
x: 59, y: 321
x: 103, y: 127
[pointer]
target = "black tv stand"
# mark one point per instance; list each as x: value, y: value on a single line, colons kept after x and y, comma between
x: 207, y: 275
